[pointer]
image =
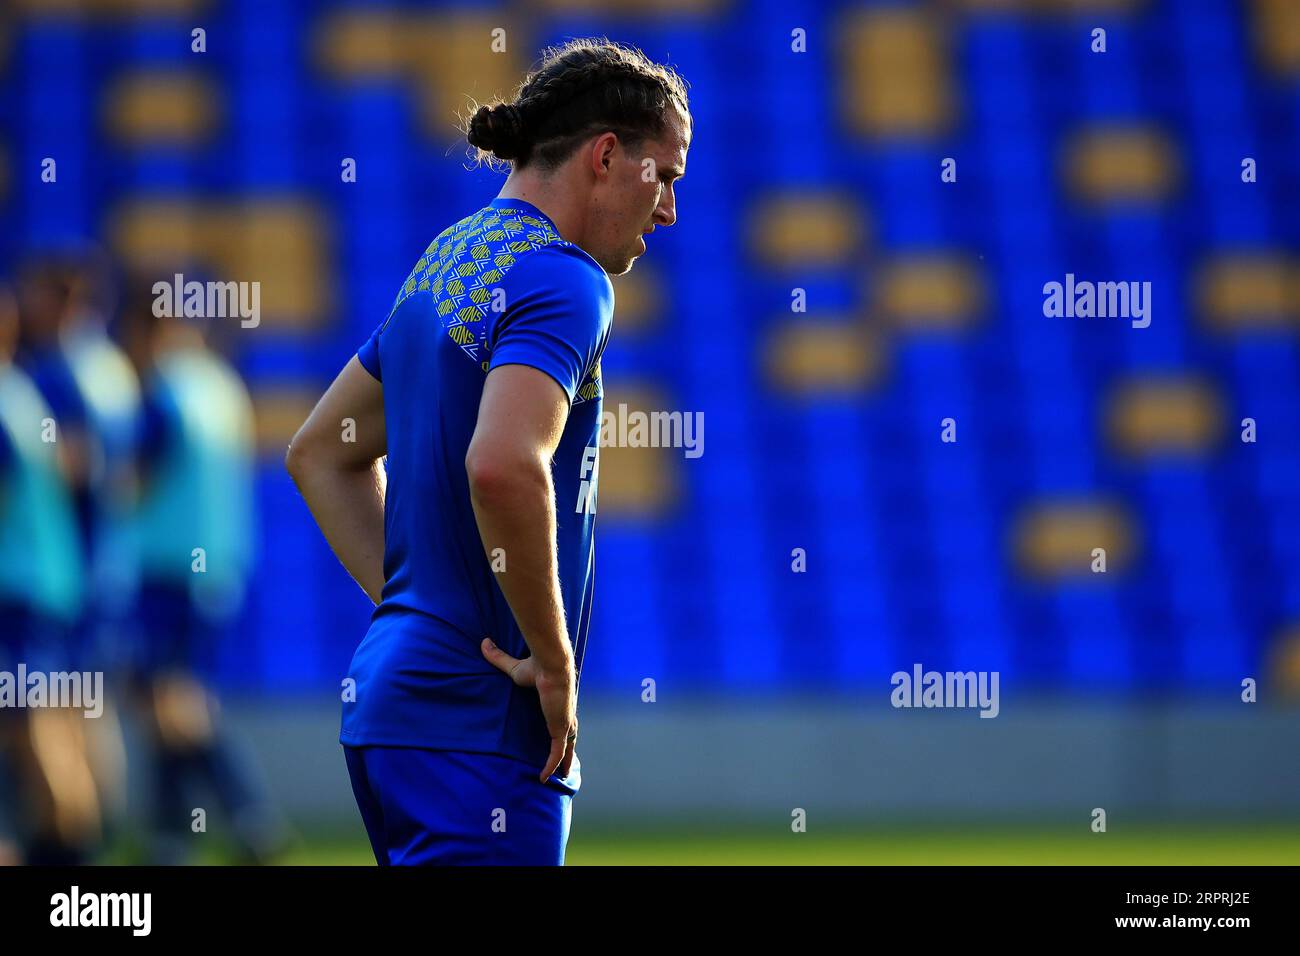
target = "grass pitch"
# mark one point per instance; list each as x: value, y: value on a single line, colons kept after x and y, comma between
x: 1149, y: 844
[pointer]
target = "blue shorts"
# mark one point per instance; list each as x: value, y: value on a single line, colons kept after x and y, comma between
x: 439, y: 807
x: 172, y: 634
x: 32, y: 639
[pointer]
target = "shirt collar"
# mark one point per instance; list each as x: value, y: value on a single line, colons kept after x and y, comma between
x: 528, y: 207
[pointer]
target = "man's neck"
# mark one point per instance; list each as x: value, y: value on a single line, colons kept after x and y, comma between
x: 548, y: 196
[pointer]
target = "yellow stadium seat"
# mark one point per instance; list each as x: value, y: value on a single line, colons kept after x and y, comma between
x: 156, y: 232
x: 1160, y: 416
x: 823, y: 357
x: 150, y: 108
x: 934, y: 291
x: 362, y: 44
x: 1056, y: 539
x: 1284, y: 664
x: 1275, y: 29
x: 1249, y: 290
x: 278, y: 411
x: 1114, y: 164
x: 280, y: 243
x: 895, y: 73
x: 791, y: 230
x: 454, y: 65
x: 447, y: 59
x: 640, y: 482
x: 639, y: 296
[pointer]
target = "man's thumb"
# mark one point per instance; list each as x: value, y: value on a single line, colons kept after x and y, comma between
x: 499, y: 658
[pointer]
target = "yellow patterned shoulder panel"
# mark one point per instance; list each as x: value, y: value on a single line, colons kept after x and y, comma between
x: 464, y: 261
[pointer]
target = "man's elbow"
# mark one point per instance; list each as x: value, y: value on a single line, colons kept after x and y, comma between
x: 298, y: 458
x: 498, y: 477
x: 487, y: 475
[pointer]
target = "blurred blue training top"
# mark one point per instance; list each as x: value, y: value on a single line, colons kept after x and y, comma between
x: 499, y: 287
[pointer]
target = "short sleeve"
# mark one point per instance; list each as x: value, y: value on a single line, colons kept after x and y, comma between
x: 558, y: 305
x: 368, y: 354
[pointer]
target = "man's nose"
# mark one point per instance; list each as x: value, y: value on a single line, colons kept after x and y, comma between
x: 666, y: 211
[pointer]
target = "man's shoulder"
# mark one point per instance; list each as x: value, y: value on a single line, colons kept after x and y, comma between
x: 477, y: 251
x: 565, y: 270
x: 565, y: 260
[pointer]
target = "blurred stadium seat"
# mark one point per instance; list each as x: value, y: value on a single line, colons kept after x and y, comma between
x: 801, y: 230
x: 932, y: 291
x: 147, y: 110
x: 812, y: 356
x: 1120, y: 165
x: 896, y: 74
x: 1154, y: 416
x: 1057, y: 539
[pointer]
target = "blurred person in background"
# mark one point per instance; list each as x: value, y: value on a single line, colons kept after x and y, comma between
x: 194, y: 528
x: 10, y: 848
x: 41, y: 576
x: 110, y: 395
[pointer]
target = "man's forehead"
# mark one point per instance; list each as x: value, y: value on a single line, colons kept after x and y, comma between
x: 681, y: 128
x: 675, y: 143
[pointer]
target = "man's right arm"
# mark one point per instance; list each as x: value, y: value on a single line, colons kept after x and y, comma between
x: 521, y: 417
x: 343, y: 480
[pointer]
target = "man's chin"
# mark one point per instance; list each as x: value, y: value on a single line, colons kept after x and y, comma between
x: 620, y: 268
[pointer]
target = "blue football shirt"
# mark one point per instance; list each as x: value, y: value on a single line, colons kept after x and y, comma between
x: 499, y: 287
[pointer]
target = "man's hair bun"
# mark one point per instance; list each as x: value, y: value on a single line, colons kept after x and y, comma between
x: 499, y: 130
x: 582, y: 89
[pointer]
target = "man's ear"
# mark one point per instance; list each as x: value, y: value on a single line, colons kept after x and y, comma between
x: 602, y: 152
